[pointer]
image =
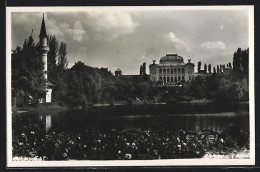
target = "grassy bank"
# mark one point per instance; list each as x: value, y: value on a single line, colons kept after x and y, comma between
x: 40, y: 107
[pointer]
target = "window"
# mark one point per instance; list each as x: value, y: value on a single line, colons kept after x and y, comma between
x: 168, y: 79
x: 160, y: 78
x: 183, y: 78
x: 171, y: 70
x: 171, y: 79
x: 160, y: 71
x: 182, y: 70
x: 175, y: 78
x: 164, y: 71
x: 168, y: 71
x: 175, y: 70
x: 179, y: 71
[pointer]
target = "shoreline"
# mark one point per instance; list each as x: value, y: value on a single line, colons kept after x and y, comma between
x: 57, y: 107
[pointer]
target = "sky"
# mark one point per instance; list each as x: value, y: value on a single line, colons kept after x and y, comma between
x: 124, y: 39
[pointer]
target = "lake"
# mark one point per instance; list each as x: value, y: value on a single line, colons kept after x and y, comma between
x: 189, y: 117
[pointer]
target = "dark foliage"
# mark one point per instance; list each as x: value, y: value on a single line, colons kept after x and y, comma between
x: 114, y: 145
x: 27, y: 72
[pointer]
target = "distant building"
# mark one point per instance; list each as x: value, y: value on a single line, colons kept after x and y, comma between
x: 171, y: 70
x: 118, y: 72
x: 227, y: 70
x: 202, y: 71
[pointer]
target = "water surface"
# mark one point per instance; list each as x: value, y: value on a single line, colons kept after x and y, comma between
x: 189, y: 117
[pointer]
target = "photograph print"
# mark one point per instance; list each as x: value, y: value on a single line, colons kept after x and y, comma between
x: 130, y: 86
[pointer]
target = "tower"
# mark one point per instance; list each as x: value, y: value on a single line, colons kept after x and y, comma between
x: 44, y: 49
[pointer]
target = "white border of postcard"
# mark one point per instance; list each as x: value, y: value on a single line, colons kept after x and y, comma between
x: 171, y: 162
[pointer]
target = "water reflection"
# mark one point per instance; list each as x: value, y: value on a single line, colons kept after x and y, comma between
x: 48, y: 122
x: 144, y: 117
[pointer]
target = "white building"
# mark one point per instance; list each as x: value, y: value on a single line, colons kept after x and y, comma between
x: 171, y: 70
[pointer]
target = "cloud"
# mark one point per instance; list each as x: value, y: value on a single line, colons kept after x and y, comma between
x: 52, y: 28
x: 25, y: 18
x: 110, y: 24
x: 60, y: 30
x: 77, y: 31
x: 214, y: 45
x: 221, y: 27
x: 26, y: 22
x: 82, y: 52
x: 144, y: 58
x: 178, y: 43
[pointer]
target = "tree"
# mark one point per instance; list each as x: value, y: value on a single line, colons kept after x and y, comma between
x: 141, y: 70
x: 53, y: 53
x: 205, y: 68
x: 52, y: 66
x: 197, y: 87
x: 199, y: 66
x: 27, y: 72
x: 209, y: 68
x: 240, y: 64
x: 62, y: 61
x: 214, y: 69
x: 237, y: 60
x: 245, y: 60
x: 144, y: 68
x: 60, y: 72
x: 217, y: 68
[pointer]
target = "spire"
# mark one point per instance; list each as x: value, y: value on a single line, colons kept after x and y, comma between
x: 43, y: 29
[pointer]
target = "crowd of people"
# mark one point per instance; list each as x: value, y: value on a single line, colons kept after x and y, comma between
x: 115, y: 144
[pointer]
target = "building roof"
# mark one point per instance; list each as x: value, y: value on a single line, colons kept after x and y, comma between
x: 49, y: 84
x: 176, y: 64
x: 171, y: 59
x: 43, y: 29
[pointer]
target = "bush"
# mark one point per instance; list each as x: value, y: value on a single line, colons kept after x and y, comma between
x: 75, y: 99
x: 129, y: 101
x: 113, y: 144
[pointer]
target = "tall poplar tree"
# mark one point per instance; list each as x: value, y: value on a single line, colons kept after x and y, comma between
x: 218, y: 69
x: 214, y: 69
x: 209, y: 68
x: 61, y: 68
x: 205, y: 68
x: 52, y: 56
x: 199, y: 66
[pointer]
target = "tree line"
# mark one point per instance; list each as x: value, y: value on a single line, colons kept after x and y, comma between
x: 82, y: 84
x: 207, y: 68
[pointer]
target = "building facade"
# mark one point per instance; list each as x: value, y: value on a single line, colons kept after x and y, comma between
x: 171, y: 70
